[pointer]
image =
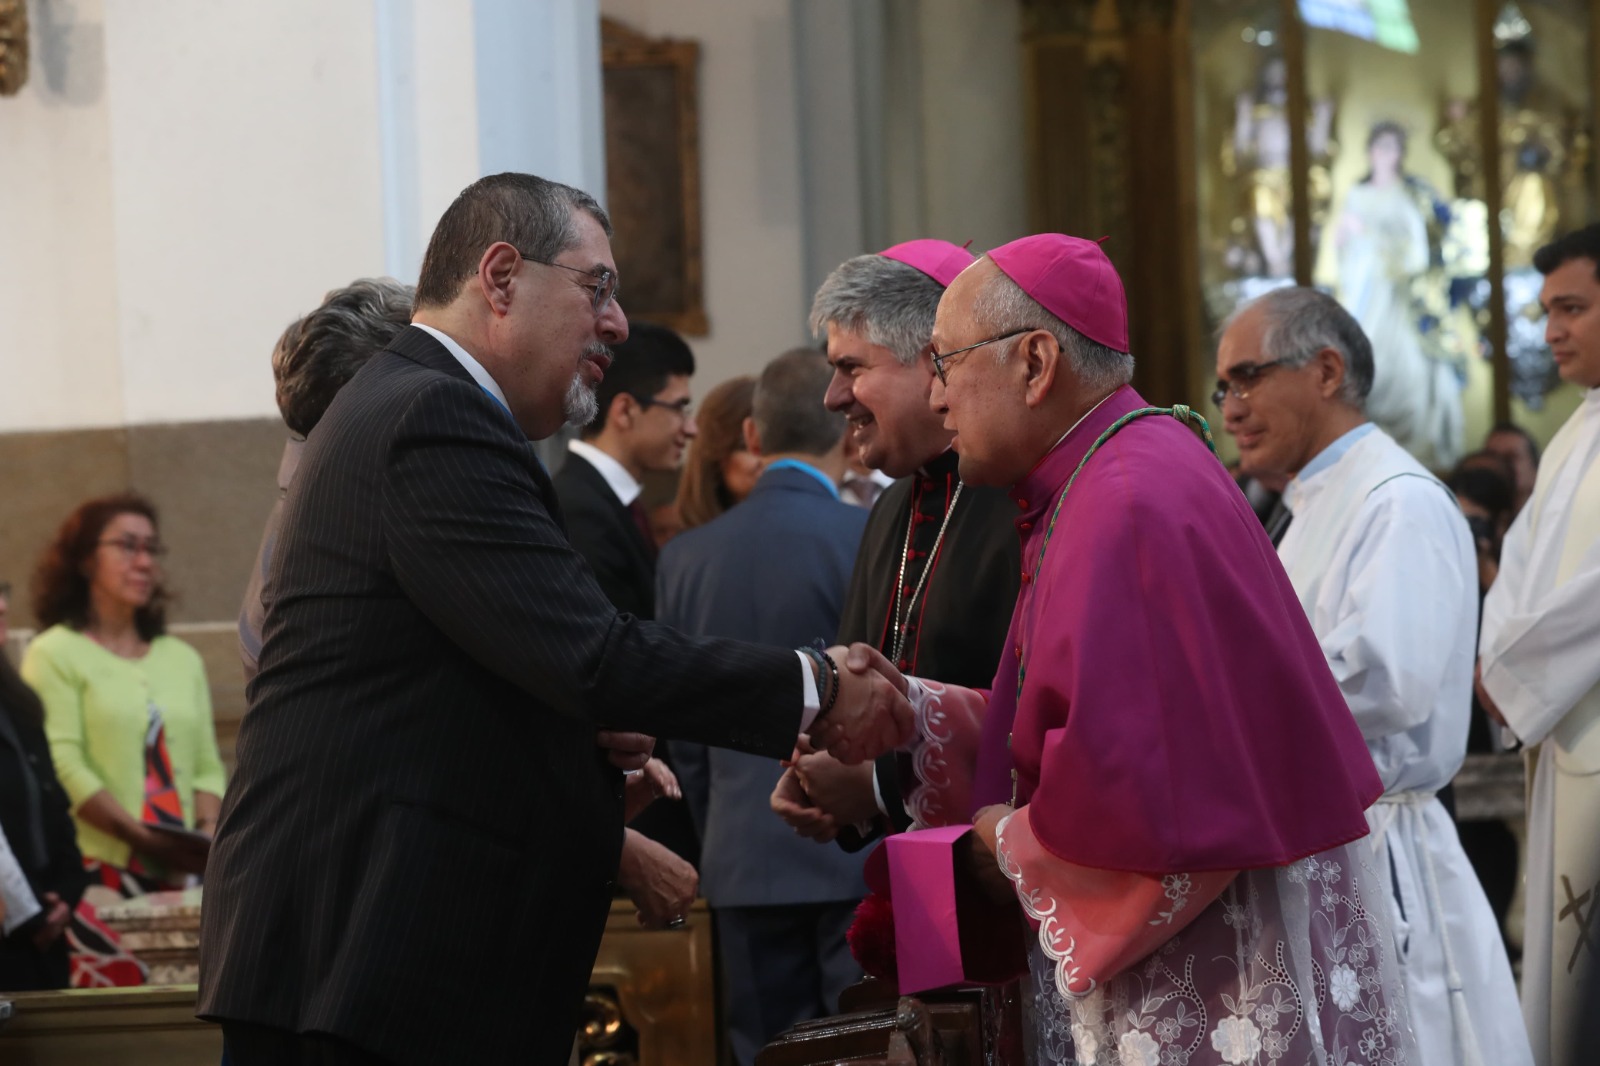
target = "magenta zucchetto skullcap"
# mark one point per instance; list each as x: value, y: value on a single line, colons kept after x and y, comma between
x: 1073, y: 280
x: 940, y: 260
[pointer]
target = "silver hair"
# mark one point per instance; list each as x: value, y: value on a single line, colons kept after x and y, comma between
x: 1297, y: 323
x: 318, y: 353
x: 1001, y: 307
x: 884, y: 300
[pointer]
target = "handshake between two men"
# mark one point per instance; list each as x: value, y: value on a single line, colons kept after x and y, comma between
x: 828, y: 784
x: 862, y: 711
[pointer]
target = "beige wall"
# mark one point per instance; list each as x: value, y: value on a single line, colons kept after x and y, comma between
x: 967, y: 180
x: 195, y: 175
x: 974, y: 149
x: 213, y: 482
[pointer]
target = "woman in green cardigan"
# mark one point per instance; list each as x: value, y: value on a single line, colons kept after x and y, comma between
x: 127, y: 708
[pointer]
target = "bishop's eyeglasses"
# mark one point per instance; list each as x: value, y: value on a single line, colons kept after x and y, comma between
x: 604, y: 288
x: 941, y: 360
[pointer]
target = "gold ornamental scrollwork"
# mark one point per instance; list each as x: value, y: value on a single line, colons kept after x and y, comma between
x: 610, y: 1058
x: 602, y: 1021
x: 13, y: 46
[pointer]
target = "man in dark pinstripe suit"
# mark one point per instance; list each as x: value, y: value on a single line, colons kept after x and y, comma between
x: 415, y: 856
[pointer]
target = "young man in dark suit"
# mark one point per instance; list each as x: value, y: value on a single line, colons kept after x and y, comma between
x: 643, y: 426
x: 415, y: 856
x: 774, y: 569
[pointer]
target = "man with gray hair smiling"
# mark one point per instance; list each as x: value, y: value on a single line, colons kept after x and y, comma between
x: 937, y: 573
x: 1383, y: 563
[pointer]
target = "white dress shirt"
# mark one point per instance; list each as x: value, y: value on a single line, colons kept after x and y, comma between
x: 616, y: 475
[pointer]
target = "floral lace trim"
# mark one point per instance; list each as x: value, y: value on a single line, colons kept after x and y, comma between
x: 1057, y: 944
x: 931, y: 802
x: 1225, y: 991
x: 1177, y: 888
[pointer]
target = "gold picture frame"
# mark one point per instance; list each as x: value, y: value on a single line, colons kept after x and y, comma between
x: 652, y: 122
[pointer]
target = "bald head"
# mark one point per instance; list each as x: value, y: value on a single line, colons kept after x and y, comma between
x: 1015, y: 377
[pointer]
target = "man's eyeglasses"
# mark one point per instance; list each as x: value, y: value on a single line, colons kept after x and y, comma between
x: 604, y: 288
x: 1241, y: 380
x: 679, y: 406
x: 941, y: 360
x: 133, y: 547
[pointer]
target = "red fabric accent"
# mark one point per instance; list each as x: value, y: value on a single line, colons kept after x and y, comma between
x: 871, y: 937
x: 161, y: 803
x: 98, y: 957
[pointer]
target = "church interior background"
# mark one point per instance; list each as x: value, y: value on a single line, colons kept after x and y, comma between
x: 179, y: 179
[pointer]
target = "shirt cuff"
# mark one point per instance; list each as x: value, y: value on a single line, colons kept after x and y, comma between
x: 877, y: 794
x: 20, y: 903
x: 811, y: 704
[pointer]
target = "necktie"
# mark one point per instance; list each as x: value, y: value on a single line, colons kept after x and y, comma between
x: 641, y: 518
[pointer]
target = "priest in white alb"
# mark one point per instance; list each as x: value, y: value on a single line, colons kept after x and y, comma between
x: 1539, y: 665
x: 1383, y: 562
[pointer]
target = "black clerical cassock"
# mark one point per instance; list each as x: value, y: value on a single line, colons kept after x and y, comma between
x: 933, y: 588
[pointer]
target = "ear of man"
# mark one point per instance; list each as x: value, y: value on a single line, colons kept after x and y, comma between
x: 1041, y: 357
x: 495, y: 272
x: 752, y: 437
x: 1330, y: 372
x: 623, y: 410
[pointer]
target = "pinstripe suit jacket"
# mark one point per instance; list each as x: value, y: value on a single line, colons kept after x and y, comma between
x: 417, y: 849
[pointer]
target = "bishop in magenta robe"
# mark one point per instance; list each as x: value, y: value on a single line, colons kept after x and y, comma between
x: 1165, y: 772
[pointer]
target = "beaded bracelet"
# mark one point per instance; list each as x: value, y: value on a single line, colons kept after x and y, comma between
x: 827, y: 679
x: 833, y: 688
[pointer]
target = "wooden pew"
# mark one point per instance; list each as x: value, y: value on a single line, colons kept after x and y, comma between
x: 651, y: 1003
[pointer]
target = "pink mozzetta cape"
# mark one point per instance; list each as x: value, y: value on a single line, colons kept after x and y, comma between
x: 1178, y: 714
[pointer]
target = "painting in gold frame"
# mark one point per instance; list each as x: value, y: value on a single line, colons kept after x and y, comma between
x: 651, y: 94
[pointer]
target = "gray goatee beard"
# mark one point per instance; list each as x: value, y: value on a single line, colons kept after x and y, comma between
x: 580, y: 405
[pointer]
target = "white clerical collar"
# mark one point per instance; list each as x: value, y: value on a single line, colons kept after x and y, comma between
x: 615, y: 473
x: 469, y: 364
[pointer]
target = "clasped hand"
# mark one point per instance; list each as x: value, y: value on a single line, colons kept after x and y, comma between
x: 824, y: 790
x: 870, y: 714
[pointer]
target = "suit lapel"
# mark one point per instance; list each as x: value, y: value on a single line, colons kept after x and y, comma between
x: 419, y: 346
x: 624, y: 517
